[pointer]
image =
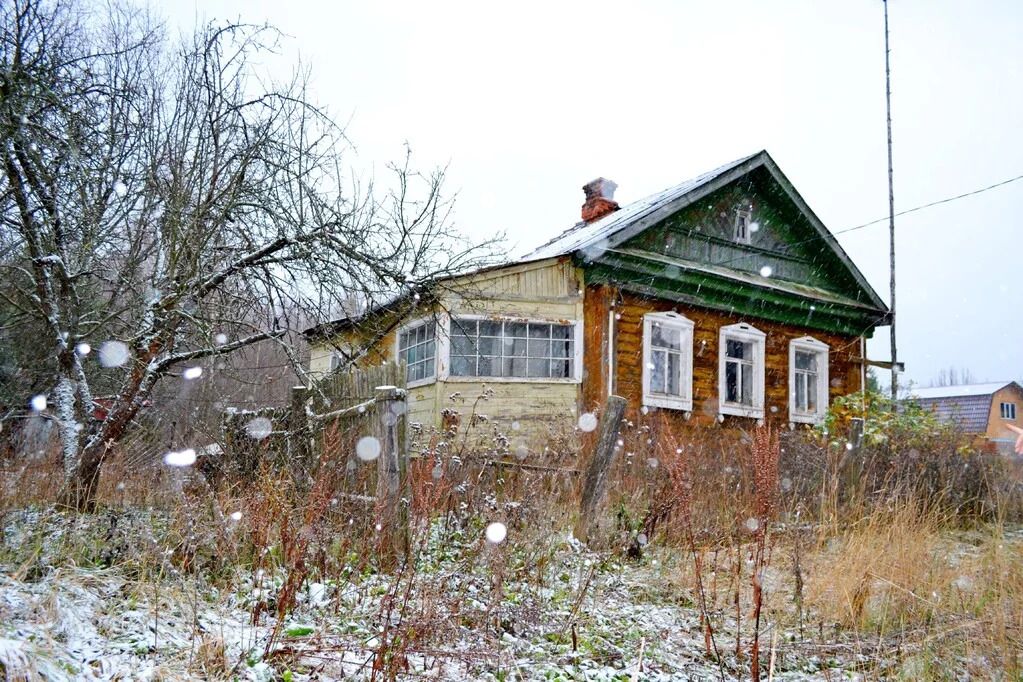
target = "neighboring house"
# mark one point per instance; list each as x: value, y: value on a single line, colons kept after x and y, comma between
x: 721, y: 300
x: 979, y: 409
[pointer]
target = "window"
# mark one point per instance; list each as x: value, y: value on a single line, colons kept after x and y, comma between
x: 808, y: 380
x: 1008, y: 410
x: 512, y: 349
x: 742, y: 231
x: 741, y: 371
x: 336, y: 360
x: 417, y: 348
x: 667, y: 361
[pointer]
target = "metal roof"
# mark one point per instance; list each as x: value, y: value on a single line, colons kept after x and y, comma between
x: 969, y: 390
x: 582, y: 234
x: 619, y: 226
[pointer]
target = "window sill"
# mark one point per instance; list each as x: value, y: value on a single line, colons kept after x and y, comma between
x: 421, y: 382
x: 668, y: 403
x: 805, y: 418
x: 509, y: 380
x: 741, y: 411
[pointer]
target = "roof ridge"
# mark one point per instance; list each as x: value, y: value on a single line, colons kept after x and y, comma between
x: 636, y: 209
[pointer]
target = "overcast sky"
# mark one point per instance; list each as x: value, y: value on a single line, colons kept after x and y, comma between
x: 528, y: 101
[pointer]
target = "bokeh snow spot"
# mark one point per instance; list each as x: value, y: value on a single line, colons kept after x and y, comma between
x: 182, y: 458
x: 38, y: 403
x: 192, y: 373
x: 236, y: 516
x: 752, y: 525
x: 259, y: 428
x: 113, y: 353
x: 367, y: 449
x: 221, y: 339
x: 766, y: 271
x: 497, y: 532
x: 120, y: 189
x: 83, y: 349
x: 587, y: 422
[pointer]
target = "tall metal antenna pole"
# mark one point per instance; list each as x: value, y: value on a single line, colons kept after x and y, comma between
x: 891, y: 204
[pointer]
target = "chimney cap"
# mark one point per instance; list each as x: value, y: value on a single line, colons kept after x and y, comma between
x: 600, y: 188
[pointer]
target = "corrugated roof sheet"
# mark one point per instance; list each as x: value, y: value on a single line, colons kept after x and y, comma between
x: 583, y: 234
x: 959, y: 391
x: 971, y: 412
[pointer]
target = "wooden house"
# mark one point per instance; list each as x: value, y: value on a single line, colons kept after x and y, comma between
x: 721, y: 300
x: 981, y: 410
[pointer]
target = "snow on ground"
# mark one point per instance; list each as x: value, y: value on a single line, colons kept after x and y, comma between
x: 591, y: 617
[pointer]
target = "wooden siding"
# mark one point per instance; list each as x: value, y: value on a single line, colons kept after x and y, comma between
x: 844, y: 373
x: 996, y: 425
x: 544, y: 290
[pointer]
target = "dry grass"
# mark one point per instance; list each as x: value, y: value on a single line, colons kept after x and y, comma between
x: 902, y: 557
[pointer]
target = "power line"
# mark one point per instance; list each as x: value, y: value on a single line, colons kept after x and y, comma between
x: 933, y: 203
x: 881, y: 220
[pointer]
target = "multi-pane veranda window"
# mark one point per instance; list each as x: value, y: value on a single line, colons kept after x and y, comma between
x: 500, y: 348
x: 805, y: 377
x: 739, y: 366
x: 417, y: 348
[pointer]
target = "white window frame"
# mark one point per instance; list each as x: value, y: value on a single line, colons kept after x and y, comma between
x: 743, y: 219
x: 444, y: 350
x: 1006, y: 412
x: 747, y: 334
x: 409, y: 326
x: 685, y: 327
x: 808, y: 344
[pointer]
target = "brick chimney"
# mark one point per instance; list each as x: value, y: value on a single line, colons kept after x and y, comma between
x: 599, y: 199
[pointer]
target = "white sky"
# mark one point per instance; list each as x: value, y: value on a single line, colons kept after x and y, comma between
x: 527, y: 101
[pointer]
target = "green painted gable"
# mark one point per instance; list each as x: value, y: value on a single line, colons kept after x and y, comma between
x: 691, y: 256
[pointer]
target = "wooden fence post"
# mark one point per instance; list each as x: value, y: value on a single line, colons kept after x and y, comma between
x: 299, y: 435
x: 600, y: 463
x: 392, y: 469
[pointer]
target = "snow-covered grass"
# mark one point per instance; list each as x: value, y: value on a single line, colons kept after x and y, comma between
x: 283, y: 579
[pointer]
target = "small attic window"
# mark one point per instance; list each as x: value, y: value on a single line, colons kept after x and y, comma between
x: 742, y: 224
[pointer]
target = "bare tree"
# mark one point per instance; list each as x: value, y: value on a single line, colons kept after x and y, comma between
x: 953, y: 377
x: 168, y: 198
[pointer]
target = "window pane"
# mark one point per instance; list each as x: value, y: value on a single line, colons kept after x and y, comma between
x: 514, y: 367
x: 561, y: 369
x: 461, y: 345
x: 489, y: 346
x: 665, y: 337
x: 430, y: 350
x: 658, y: 361
x: 747, y: 384
x: 463, y: 328
x: 674, y: 362
x: 462, y: 366
x: 807, y: 361
x: 561, y: 331
x: 811, y: 392
x: 739, y: 350
x: 403, y: 341
x: 489, y: 367
x: 490, y: 328
x: 539, y: 349
x: 539, y: 331
x: 410, y: 355
x: 561, y: 349
x: 516, y: 329
x: 539, y: 368
x: 801, y: 391
x: 732, y: 382
x: 515, y: 347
